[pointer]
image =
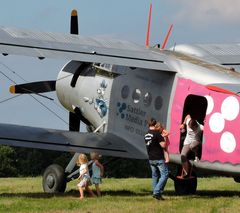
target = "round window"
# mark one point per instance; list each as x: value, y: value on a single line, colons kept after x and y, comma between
x: 136, y: 95
x: 158, y: 103
x: 125, y: 92
x: 147, y: 99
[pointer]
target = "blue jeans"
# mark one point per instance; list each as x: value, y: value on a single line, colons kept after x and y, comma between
x: 159, y: 175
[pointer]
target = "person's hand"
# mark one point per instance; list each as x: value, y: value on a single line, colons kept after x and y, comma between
x: 182, y: 126
x: 165, y: 133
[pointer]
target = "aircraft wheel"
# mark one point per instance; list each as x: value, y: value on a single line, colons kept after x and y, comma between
x: 54, y: 179
x: 185, y: 186
x: 237, y: 179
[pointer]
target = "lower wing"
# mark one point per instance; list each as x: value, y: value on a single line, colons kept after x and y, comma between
x: 41, y: 138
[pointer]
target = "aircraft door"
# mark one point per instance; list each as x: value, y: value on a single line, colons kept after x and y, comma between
x: 196, y: 106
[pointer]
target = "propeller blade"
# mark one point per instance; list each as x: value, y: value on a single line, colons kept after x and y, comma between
x: 74, y: 22
x: 75, y: 118
x: 33, y: 87
x: 74, y: 122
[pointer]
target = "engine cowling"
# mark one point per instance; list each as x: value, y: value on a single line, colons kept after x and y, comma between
x: 79, y: 85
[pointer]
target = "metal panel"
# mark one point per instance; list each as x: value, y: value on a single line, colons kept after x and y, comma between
x: 105, y: 143
x: 216, y: 53
x: 75, y: 47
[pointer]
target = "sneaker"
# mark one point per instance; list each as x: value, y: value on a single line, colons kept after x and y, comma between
x: 196, y: 159
x: 158, y: 197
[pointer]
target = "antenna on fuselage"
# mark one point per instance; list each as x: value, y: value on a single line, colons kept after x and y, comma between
x: 149, y: 26
x: 167, y: 36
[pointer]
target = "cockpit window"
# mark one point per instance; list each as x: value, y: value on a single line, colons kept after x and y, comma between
x: 147, y: 99
x: 136, y: 95
x: 158, y: 103
x: 125, y: 92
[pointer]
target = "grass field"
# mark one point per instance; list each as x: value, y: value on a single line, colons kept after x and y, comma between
x: 119, y: 195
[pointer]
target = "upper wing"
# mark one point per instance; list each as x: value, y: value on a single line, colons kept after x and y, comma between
x: 103, y: 143
x: 75, y: 47
x: 224, y: 54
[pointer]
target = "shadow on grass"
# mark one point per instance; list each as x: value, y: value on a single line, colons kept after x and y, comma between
x: 123, y: 193
x: 74, y: 193
x: 208, y: 193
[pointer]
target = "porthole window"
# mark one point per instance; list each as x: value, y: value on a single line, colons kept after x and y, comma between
x: 136, y: 95
x: 147, y: 99
x: 125, y: 92
x: 158, y: 103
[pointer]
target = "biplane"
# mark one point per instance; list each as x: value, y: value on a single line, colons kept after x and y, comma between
x: 115, y: 86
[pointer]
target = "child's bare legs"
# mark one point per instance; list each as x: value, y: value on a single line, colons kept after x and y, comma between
x: 98, y: 190
x: 81, y: 192
x: 166, y: 155
x: 90, y: 191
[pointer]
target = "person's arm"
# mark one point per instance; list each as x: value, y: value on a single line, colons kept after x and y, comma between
x: 101, y: 167
x: 185, y: 121
x: 83, y: 171
x: 163, y: 144
x: 165, y: 133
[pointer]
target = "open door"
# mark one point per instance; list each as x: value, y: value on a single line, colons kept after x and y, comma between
x: 196, y: 106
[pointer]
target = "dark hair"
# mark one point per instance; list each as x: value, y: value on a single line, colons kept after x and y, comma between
x: 193, y: 124
x: 152, y: 122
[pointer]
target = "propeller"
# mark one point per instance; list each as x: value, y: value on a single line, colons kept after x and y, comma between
x: 33, y: 87
x: 76, y: 117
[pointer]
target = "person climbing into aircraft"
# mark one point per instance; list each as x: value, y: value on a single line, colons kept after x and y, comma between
x: 192, y: 141
x: 84, y: 176
x: 155, y: 144
x: 97, y: 172
x: 159, y: 127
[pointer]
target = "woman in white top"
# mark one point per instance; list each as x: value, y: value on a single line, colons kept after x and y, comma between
x: 191, y: 142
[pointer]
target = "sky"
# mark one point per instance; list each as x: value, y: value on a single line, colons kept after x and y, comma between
x: 195, y: 21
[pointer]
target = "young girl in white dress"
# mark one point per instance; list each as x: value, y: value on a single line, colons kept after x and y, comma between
x: 84, y: 176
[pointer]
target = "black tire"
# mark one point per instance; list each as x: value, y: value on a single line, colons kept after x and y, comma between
x: 54, y: 180
x: 237, y: 179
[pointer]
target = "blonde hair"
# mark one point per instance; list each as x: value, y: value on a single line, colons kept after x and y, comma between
x: 159, y: 126
x: 94, y: 156
x: 82, y: 159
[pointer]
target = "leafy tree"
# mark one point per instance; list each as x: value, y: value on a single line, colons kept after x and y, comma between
x: 7, y: 159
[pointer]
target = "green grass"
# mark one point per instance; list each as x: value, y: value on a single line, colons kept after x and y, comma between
x: 119, y: 195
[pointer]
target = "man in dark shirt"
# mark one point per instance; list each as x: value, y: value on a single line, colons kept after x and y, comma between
x: 155, y: 144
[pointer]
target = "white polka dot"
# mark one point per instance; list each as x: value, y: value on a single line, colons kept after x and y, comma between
x: 210, y: 104
x: 227, y: 142
x: 230, y: 108
x: 216, y: 122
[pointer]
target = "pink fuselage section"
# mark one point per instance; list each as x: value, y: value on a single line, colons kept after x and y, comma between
x: 221, y: 127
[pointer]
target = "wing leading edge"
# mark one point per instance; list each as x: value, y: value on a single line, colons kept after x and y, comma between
x: 80, y: 48
x: 32, y: 137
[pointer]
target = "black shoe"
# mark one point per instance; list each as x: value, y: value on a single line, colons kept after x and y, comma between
x: 158, y: 197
